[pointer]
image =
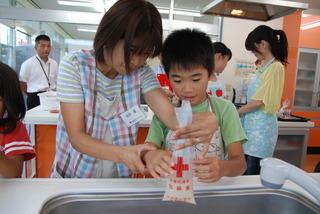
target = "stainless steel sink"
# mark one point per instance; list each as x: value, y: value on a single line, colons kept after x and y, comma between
x: 249, y: 201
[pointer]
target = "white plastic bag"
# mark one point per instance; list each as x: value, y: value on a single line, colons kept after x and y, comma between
x: 284, y: 113
x: 180, y: 185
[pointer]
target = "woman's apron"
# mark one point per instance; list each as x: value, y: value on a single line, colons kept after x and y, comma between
x: 216, y: 148
x: 260, y: 128
x: 106, y: 168
x: 103, y: 122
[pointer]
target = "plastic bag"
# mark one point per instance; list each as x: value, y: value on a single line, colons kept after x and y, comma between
x: 179, y: 186
x: 284, y: 113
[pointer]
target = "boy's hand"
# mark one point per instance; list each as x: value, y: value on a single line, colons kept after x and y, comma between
x: 159, y: 163
x: 207, y: 169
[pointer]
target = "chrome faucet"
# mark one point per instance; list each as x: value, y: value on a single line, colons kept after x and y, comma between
x: 275, y: 172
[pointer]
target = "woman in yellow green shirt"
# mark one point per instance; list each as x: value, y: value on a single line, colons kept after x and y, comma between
x: 265, y: 89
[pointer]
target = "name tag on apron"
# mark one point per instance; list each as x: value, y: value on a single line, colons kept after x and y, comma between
x: 132, y: 116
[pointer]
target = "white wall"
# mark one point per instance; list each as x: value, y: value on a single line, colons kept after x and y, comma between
x: 210, y: 29
x: 77, y: 44
x: 234, y: 34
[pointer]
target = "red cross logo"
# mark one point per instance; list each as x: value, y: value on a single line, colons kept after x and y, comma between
x: 180, y: 167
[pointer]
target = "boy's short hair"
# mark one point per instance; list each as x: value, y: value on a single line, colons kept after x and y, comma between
x: 187, y: 49
x: 219, y: 47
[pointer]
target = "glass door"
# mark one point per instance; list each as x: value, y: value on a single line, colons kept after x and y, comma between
x: 306, y: 84
x: 316, y: 92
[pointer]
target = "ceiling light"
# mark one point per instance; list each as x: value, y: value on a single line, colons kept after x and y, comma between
x: 99, y: 5
x: 304, y: 15
x: 87, y: 30
x: 186, y: 13
x: 310, y: 25
x: 237, y: 12
x: 180, y: 12
x: 77, y: 3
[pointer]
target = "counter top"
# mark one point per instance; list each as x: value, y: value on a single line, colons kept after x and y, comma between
x: 29, y: 195
x: 38, y: 116
x: 41, y: 117
x: 283, y: 124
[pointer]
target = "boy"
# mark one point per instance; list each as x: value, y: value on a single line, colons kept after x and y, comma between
x: 188, y: 62
x: 216, y: 85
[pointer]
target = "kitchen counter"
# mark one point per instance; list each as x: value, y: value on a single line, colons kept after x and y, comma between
x: 42, y: 130
x: 41, y: 126
x: 38, y: 116
x: 27, y: 196
x: 41, y: 117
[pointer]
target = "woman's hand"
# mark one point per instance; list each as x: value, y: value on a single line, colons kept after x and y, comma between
x: 170, y: 94
x: 159, y: 163
x: 202, y: 129
x: 207, y: 169
x: 131, y: 156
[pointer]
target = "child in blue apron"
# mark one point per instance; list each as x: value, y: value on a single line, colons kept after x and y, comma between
x: 188, y: 61
x: 265, y: 89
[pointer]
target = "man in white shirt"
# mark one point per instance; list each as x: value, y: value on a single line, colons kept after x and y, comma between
x: 38, y: 73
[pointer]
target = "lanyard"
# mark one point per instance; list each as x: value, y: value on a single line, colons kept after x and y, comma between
x: 161, y: 69
x: 47, y: 76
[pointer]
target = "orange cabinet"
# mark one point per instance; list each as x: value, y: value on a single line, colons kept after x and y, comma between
x: 45, y: 147
x: 298, y: 38
x: 45, y: 144
x: 314, y: 135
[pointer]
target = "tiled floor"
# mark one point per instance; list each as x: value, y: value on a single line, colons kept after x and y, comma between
x: 311, y: 162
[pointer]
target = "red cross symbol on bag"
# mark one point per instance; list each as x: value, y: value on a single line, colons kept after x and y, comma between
x: 180, y: 167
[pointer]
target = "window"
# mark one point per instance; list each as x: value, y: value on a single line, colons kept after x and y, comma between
x: 6, y: 47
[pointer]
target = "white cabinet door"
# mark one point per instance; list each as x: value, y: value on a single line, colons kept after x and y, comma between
x: 307, y: 81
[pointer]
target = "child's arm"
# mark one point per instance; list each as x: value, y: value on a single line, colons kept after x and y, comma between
x: 158, y: 162
x: 211, y: 169
x: 203, y: 126
x: 11, y: 167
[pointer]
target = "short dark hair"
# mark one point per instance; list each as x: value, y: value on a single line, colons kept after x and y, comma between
x: 128, y: 20
x: 277, y: 40
x: 42, y: 37
x: 219, y: 47
x: 187, y: 49
x: 11, y: 94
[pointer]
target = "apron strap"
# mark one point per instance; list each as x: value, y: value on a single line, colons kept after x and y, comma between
x: 210, y: 103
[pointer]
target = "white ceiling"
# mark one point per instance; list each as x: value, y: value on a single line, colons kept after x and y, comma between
x: 181, y: 4
x: 71, y: 29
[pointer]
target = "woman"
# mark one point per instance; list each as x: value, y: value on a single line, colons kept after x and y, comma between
x: 264, y: 94
x: 99, y: 92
